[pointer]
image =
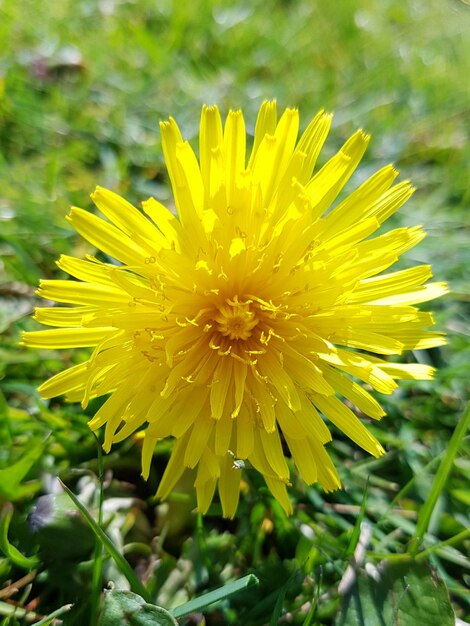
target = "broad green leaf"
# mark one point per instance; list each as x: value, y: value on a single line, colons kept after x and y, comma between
x: 129, y: 609
x: 408, y: 593
x: 59, y: 529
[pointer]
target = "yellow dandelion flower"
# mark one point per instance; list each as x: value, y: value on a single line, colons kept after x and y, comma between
x: 240, y: 325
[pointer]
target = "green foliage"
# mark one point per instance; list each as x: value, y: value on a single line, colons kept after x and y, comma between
x: 82, y: 87
x: 202, y: 602
x: 406, y: 593
x: 10, y: 477
x: 12, y: 553
x: 108, y: 545
x: 129, y: 609
x: 442, y: 474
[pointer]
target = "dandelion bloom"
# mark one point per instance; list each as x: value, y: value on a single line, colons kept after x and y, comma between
x: 243, y: 323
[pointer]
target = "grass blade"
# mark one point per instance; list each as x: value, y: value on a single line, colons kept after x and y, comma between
x: 122, y: 564
x: 46, y: 621
x: 198, y: 604
x: 464, y: 534
x: 96, y: 584
x: 439, y: 481
x: 280, y: 601
x: 357, y: 527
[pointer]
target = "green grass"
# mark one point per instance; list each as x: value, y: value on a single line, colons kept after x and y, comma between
x: 82, y: 88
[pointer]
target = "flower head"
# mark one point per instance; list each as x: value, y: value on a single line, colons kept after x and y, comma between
x: 243, y: 323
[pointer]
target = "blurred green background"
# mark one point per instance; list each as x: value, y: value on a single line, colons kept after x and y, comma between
x: 83, y: 85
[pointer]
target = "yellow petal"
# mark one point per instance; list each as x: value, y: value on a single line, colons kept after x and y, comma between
x: 229, y: 487
x: 345, y: 420
x: 67, y: 337
x: 107, y: 237
x: 127, y: 218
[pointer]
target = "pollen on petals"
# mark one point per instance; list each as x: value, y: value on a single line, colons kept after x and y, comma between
x: 240, y: 326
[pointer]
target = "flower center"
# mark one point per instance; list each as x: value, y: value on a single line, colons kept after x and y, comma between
x: 235, y: 320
